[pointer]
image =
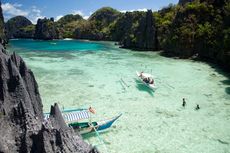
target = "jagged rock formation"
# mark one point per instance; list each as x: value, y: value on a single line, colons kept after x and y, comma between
x: 136, y: 30
x: 3, y: 38
x: 22, y: 127
x: 19, y: 27
x: 46, y: 30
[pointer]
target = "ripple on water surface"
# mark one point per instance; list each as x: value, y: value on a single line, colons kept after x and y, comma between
x: 78, y: 74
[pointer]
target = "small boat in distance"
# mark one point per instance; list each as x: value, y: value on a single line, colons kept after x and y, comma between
x: 74, y: 116
x: 147, y: 79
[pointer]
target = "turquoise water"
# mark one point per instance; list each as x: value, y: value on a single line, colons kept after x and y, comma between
x: 79, y: 74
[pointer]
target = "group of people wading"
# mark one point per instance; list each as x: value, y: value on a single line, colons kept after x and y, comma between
x: 184, y: 104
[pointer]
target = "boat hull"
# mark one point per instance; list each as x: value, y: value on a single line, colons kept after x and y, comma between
x: 151, y: 86
x: 86, y: 127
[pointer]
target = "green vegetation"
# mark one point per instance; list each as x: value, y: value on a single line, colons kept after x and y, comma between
x: 198, y: 27
x: 97, y: 27
x: 67, y: 25
x: 15, y: 27
x: 46, y: 29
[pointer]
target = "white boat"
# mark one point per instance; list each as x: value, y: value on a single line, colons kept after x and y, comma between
x: 142, y: 76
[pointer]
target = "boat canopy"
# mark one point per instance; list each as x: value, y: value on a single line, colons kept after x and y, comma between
x: 73, y: 116
x: 146, y: 75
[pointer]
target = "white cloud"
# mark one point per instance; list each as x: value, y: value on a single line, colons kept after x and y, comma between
x: 36, y: 10
x: 78, y: 12
x: 58, y: 17
x: 13, y: 9
x: 85, y: 17
x: 35, y: 14
x: 143, y: 9
x: 81, y: 14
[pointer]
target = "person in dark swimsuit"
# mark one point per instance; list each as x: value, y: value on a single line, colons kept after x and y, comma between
x: 197, y: 107
x: 184, y: 102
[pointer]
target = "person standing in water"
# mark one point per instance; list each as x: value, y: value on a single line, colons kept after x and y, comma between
x: 197, y: 107
x: 184, y: 102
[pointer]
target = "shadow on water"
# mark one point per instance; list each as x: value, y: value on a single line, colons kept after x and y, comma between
x: 224, y: 73
x: 141, y: 87
x: 94, y: 134
x: 227, y: 82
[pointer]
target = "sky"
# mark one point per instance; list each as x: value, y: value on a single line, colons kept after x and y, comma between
x: 34, y: 9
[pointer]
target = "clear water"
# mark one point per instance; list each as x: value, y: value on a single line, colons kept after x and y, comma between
x: 79, y: 74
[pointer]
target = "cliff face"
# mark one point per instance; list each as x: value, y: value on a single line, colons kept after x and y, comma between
x: 136, y: 30
x: 200, y: 28
x: 46, y: 29
x: 3, y: 38
x: 22, y: 127
x: 16, y: 27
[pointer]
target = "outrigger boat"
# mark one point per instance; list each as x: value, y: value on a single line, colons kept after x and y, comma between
x: 88, y: 127
x: 72, y: 118
x: 147, y: 79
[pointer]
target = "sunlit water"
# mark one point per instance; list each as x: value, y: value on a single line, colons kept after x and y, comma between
x: 79, y: 74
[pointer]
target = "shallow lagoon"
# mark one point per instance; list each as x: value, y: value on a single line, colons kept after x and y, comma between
x: 79, y: 74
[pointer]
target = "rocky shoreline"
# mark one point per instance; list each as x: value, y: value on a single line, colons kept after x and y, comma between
x: 22, y: 127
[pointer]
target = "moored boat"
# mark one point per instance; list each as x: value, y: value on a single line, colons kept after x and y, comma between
x: 73, y: 119
x: 147, y: 79
x: 88, y: 127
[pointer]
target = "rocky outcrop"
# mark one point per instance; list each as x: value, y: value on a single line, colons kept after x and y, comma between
x: 3, y: 38
x: 136, y: 30
x: 22, y: 127
x: 46, y: 29
x: 19, y: 27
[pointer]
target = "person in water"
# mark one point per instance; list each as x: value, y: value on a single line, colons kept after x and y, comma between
x: 197, y: 107
x: 146, y: 80
x: 141, y: 74
x: 151, y: 81
x: 184, y: 102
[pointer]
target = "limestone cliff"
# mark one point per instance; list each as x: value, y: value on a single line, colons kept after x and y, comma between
x: 22, y: 127
x: 3, y: 38
x: 46, y: 29
x: 19, y: 27
x: 136, y: 30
